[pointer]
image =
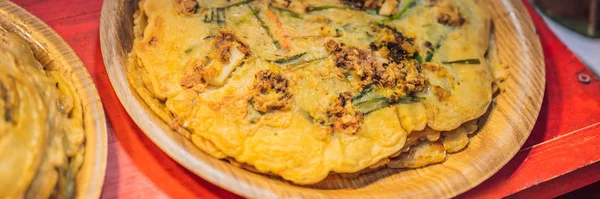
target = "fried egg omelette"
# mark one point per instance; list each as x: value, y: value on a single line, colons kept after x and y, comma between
x: 304, y: 88
x: 41, y: 128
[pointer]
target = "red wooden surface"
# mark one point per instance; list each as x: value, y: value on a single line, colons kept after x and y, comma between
x: 559, y: 156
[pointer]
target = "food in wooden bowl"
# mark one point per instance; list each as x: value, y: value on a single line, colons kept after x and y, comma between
x: 42, y: 145
x: 319, y: 93
x: 52, y: 130
x: 300, y: 89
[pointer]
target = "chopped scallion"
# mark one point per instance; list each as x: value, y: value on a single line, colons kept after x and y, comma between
x: 221, y: 16
x: 422, y: 59
x: 404, y: 8
x: 418, y: 58
x: 288, y: 12
x: 372, y: 105
x: 239, y: 4
x: 464, y: 61
x: 370, y: 100
x: 307, y: 61
x: 289, y: 59
x: 264, y: 26
x: 206, y: 17
x: 319, y: 8
x: 429, y: 57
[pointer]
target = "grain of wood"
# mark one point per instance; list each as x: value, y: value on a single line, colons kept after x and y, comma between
x: 50, y: 48
x: 507, y: 128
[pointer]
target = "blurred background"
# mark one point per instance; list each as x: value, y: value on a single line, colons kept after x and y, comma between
x: 576, y: 23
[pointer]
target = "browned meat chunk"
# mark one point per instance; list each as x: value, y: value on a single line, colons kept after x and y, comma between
x: 414, y: 81
x: 385, y: 75
x: 270, y: 92
x: 153, y: 41
x: 448, y: 13
x: 186, y: 7
x: 363, y: 4
x: 360, y: 64
x: 193, y: 76
x: 343, y: 116
x: 404, y: 79
x: 392, y: 44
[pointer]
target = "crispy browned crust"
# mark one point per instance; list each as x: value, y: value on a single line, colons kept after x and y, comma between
x: 399, y: 159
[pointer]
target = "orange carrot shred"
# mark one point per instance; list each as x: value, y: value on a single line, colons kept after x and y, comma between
x: 283, y: 37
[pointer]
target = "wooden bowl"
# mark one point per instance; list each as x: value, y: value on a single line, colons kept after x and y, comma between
x: 508, y: 126
x: 50, y: 48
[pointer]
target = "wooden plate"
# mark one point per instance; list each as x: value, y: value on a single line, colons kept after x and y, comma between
x: 50, y: 48
x: 508, y: 125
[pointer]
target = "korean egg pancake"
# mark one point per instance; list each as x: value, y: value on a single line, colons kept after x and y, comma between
x: 300, y: 89
x: 41, y: 129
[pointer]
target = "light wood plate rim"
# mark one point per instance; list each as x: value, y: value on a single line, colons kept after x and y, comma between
x: 252, y: 185
x: 44, y: 39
